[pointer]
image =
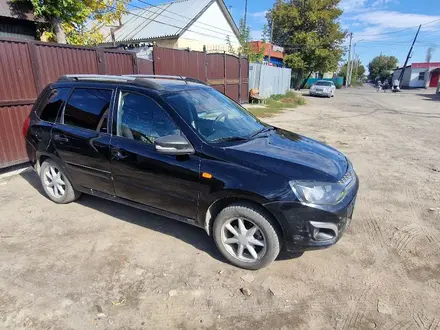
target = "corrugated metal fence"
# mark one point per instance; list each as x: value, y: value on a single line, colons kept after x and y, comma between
x: 27, y: 66
x: 226, y: 73
x: 269, y: 80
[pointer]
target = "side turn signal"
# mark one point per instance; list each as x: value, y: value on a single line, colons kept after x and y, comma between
x: 206, y: 175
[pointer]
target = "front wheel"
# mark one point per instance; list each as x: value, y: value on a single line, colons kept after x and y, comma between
x: 55, y: 183
x: 246, y: 236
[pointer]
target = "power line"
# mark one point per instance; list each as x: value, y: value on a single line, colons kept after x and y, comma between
x: 172, y: 25
x: 385, y: 33
x: 172, y: 18
x: 398, y: 31
x: 186, y: 17
x: 438, y: 19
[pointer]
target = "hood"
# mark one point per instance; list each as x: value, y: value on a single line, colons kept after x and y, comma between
x: 295, y: 156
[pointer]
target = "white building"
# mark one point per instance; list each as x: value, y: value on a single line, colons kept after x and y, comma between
x: 419, y: 75
x: 180, y: 24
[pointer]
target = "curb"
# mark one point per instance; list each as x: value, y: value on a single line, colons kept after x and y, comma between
x: 14, y: 172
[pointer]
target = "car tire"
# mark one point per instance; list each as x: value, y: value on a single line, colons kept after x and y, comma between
x: 56, y: 184
x: 266, y: 234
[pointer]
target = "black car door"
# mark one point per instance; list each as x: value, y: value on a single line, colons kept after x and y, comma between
x: 141, y: 174
x: 82, y: 138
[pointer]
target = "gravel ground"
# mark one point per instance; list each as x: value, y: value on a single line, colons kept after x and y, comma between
x: 94, y: 264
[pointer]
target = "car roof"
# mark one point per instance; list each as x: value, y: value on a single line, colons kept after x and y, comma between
x: 158, y: 83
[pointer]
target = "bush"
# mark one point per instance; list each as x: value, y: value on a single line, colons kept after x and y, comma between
x: 338, y: 86
x: 276, y: 97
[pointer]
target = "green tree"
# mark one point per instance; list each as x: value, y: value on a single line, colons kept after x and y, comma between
x: 245, y: 47
x: 67, y: 18
x: 382, y: 66
x: 357, y: 74
x: 360, y: 72
x: 310, y: 33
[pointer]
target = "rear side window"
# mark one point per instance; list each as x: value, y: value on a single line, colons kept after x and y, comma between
x: 86, y: 107
x: 50, y: 107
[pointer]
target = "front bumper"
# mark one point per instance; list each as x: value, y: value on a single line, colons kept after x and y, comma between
x: 313, y: 227
x: 318, y: 93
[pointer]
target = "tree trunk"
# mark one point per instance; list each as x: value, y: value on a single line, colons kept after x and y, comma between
x: 305, y: 81
x: 299, y: 78
x: 59, y: 32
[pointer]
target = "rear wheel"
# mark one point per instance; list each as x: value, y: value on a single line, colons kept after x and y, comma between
x: 246, y: 237
x: 55, y: 183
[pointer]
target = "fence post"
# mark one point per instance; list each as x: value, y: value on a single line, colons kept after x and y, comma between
x: 205, y: 61
x: 154, y: 59
x: 32, y: 48
x: 101, y: 61
x: 224, y: 62
x: 135, y: 64
x: 239, y: 77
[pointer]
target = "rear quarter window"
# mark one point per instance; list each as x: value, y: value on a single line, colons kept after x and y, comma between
x: 50, y: 107
x: 86, y: 107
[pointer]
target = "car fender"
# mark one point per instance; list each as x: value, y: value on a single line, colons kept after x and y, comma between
x: 221, y: 199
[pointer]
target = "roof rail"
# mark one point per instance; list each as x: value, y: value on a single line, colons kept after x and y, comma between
x: 96, y: 77
x: 112, y: 78
x: 159, y: 76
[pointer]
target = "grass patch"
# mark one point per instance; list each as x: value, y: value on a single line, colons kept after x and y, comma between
x: 277, y: 103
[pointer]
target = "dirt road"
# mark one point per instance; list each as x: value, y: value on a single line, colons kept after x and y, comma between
x: 94, y: 264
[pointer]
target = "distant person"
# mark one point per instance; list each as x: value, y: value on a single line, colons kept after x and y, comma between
x: 396, y: 85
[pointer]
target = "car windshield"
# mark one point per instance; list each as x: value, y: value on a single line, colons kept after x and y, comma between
x: 323, y: 83
x: 214, y: 116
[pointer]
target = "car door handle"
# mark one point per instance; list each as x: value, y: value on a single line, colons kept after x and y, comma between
x: 60, y: 138
x: 118, y: 154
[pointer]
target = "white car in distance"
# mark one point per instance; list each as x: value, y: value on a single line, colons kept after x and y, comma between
x: 323, y: 88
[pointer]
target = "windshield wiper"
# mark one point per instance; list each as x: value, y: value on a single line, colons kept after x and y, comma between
x: 262, y: 130
x: 231, y: 138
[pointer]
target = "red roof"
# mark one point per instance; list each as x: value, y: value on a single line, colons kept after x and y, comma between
x: 425, y: 65
x: 256, y: 46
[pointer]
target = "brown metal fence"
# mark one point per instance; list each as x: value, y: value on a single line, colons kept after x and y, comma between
x: 27, y: 66
x: 226, y: 73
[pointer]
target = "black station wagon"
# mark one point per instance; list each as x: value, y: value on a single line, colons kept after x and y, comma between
x: 179, y: 148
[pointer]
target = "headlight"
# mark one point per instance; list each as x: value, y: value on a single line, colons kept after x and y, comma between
x: 324, y: 193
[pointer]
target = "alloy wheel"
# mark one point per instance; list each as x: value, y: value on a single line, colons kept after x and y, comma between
x: 54, y: 182
x: 243, y: 239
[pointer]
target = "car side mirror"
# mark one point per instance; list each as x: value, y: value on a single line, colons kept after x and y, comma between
x: 173, y: 145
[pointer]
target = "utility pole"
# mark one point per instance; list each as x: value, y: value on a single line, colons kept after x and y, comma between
x: 408, y: 56
x: 349, y: 60
x: 354, y: 56
x: 271, y: 35
x: 351, y: 66
x: 245, y: 12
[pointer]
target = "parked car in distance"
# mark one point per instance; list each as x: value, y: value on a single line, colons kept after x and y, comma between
x: 323, y: 88
x: 178, y: 148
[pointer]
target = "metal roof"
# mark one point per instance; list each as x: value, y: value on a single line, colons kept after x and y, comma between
x: 166, y: 20
x: 17, y: 10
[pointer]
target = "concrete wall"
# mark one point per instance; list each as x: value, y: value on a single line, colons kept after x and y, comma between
x: 406, y: 77
x: 210, y: 36
x: 414, y: 80
x: 167, y: 43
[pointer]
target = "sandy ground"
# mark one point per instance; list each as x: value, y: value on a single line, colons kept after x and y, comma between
x: 94, y: 264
